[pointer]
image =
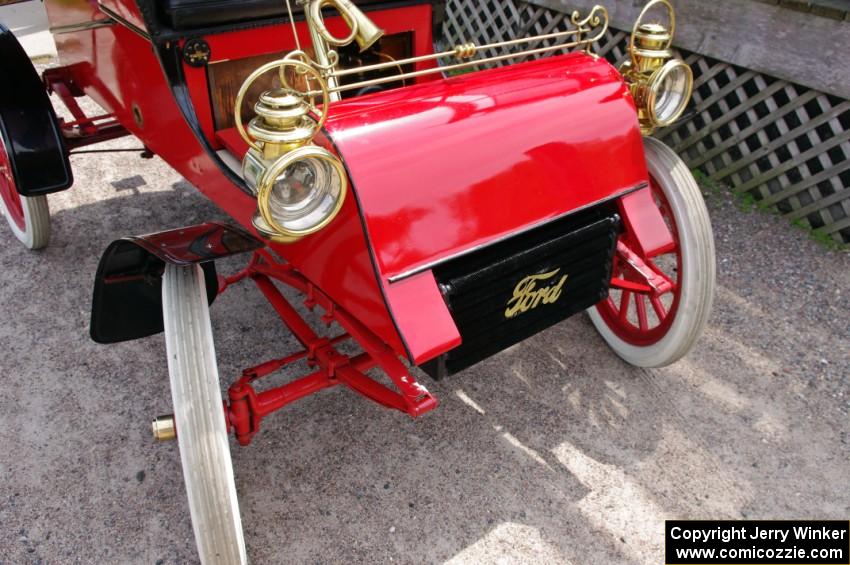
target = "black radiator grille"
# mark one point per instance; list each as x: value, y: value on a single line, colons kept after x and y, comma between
x: 480, y: 287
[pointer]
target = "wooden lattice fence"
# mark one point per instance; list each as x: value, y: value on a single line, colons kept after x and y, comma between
x: 786, y: 145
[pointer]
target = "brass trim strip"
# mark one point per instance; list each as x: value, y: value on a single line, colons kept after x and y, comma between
x: 432, y: 264
x: 119, y: 19
x: 82, y: 26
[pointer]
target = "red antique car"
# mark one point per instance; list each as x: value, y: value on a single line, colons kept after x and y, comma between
x: 436, y: 219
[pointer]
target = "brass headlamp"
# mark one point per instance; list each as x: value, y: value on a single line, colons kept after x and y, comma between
x: 300, y: 187
x: 660, y: 83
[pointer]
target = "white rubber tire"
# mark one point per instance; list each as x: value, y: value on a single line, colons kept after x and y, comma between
x: 36, y: 232
x: 36, y: 219
x: 698, y: 264
x: 36, y: 214
x: 199, y: 418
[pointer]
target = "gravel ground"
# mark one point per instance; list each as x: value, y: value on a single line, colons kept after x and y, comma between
x: 553, y: 451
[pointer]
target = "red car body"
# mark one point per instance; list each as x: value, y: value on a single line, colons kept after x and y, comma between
x: 437, y: 168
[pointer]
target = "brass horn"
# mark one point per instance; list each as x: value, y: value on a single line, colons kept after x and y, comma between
x: 363, y: 30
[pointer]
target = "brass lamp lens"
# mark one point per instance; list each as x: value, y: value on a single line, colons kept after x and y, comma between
x: 670, y: 92
x: 304, y: 192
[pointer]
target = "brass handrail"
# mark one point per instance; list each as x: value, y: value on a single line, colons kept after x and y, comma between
x: 597, y: 18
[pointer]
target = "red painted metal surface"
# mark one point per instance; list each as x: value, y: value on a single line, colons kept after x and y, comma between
x: 422, y: 317
x: 232, y: 141
x: 649, y: 231
x: 411, y: 298
x: 83, y: 130
x: 248, y: 407
x: 70, y: 12
x: 126, y: 9
x: 451, y: 165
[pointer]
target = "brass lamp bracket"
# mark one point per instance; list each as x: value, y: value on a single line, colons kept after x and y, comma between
x: 281, y: 118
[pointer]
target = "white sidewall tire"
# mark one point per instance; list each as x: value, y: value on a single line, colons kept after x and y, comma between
x: 36, y: 234
x: 199, y: 418
x: 698, y: 264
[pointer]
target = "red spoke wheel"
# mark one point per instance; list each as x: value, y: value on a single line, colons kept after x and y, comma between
x: 658, y: 306
x: 28, y: 217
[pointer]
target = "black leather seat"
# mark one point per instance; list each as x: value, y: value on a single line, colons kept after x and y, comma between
x: 193, y: 14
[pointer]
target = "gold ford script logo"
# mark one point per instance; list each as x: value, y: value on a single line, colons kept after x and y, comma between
x: 527, y: 294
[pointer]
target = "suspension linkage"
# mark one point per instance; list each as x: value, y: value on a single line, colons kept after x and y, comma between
x: 247, y: 407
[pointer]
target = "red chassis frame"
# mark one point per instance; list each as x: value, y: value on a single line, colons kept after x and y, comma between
x: 248, y: 407
x: 83, y: 130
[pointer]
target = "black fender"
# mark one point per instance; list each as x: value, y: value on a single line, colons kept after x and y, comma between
x: 127, y: 300
x: 28, y: 124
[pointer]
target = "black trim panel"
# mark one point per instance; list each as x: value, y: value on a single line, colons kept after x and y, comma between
x: 161, y: 28
x: 509, y: 291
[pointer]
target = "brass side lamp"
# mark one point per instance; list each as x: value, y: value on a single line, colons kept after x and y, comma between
x: 660, y: 82
x: 300, y: 187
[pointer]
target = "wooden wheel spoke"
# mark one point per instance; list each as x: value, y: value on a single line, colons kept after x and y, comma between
x: 624, y: 305
x: 640, y: 305
x: 658, y: 306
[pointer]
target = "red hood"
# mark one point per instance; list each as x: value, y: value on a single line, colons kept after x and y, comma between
x: 451, y: 165
x: 445, y: 167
